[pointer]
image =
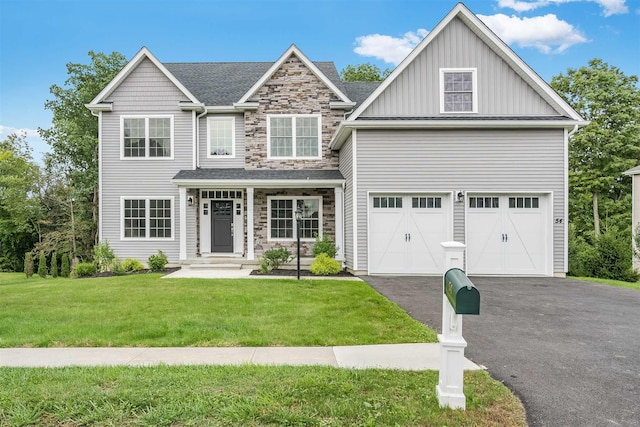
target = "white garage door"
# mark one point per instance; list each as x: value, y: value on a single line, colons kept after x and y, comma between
x: 508, y: 234
x: 405, y: 232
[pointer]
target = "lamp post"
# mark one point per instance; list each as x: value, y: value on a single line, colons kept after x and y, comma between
x: 298, y: 219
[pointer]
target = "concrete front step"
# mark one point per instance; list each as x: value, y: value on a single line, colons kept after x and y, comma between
x: 237, y: 266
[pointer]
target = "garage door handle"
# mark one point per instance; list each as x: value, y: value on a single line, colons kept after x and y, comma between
x: 409, y: 236
x: 502, y: 237
x: 505, y: 237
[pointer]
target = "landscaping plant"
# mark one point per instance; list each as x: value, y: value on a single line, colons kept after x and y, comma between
x: 85, y: 269
x: 42, y: 265
x: 157, y: 262
x: 54, y: 265
x: 325, y: 246
x: 324, y: 265
x: 65, y: 269
x: 132, y: 264
x: 28, y: 264
x: 274, y: 258
x: 103, y: 256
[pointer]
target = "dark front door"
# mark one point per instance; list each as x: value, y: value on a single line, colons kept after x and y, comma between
x: 221, y: 226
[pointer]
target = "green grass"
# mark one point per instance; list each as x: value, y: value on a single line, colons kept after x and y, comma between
x: 144, y: 310
x: 245, y: 396
x: 618, y: 283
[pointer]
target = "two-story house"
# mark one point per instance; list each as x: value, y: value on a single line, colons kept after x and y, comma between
x: 463, y: 141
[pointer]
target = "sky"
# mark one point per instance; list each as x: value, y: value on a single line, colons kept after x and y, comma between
x: 39, y: 37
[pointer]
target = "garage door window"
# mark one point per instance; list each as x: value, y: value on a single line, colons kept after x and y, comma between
x: 484, y: 202
x: 524, y: 202
x: 426, y: 202
x: 387, y: 202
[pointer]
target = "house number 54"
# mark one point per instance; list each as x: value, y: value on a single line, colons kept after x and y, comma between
x: 558, y: 221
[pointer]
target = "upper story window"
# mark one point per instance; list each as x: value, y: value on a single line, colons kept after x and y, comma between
x: 458, y: 90
x: 221, y: 136
x: 294, y: 136
x: 147, y: 137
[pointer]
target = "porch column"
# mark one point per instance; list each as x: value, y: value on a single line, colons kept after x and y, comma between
x: 250, y: 252
x: 183, y: 223
x: 339, y: 218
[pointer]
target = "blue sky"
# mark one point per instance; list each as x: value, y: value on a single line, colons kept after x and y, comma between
x: 39, y: 37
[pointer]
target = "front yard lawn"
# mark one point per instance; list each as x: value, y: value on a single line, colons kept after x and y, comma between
x: 610, y: 282
x: 144, y: 310
x: 245, y: 396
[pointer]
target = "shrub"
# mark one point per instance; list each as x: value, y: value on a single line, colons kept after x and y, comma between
x: 274, y: 258
x: 117, y: 268
x: 42, y: 265
x: 103, y: 256
x: 28, y: 264
x: 65, y: 269
x: 607, y: 257
x: 324, y: 265
x: 157, y: 262
x: 132, y: 264
x: 85, y: 269
x: 54, y: 265
x: 325, y: 246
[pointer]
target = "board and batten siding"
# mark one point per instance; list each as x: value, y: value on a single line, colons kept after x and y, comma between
x: 416, y: 91
x: 346, y: 168
x: 525, y: 160
x: 222, y: 162
x: 146, y: 91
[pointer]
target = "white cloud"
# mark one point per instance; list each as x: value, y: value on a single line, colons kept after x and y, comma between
x: 7, y: 130
x: 610, y: 7
x: 388, y: 48
x: 33, y: 139
x: 546, y: 33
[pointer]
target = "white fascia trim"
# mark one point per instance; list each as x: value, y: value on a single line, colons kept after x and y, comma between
x: 293, y: 49
x: 242, y: 183
x: 100, y: 107
x: 477, y: 26
x: 344, y: 129
x: 245, y: 106
x: 131, y: 65
x: 191, y: 106
x: 341, y: 105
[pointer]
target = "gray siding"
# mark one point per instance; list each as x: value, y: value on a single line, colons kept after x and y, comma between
x: 145, y: 91
x: 416, y: 91
x: 238, y: 161
x: 468, y: 160
x: 346, y: 167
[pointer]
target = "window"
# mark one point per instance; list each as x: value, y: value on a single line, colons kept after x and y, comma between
x: 426, y: 202
x: 387, y: 202
x: 147, y: 137
x: 458, y: 92
x: 524, y: 202
x: 294, y: 136
x: 221, y: 134
x: 147, y: 218
x: 282, y: 218
x: 484, y: 202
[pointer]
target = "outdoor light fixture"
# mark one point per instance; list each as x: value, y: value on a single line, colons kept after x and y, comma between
x: 460, y: 196
x: 298, y: 221
x: 190, y: 200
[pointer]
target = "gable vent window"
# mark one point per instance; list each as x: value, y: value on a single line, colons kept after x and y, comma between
x: 147, y: 137
x: 458, y: 91
x: 294, y: 136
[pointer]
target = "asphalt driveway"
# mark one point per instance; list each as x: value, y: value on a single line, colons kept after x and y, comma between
x: 570, y: 350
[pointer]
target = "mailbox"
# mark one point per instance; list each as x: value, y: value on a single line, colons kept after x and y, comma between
x: 463, y: 296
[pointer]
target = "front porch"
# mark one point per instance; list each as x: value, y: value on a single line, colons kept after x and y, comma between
x: 232, y: 216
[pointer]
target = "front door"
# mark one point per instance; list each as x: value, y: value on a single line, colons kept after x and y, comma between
x: 221, y: 226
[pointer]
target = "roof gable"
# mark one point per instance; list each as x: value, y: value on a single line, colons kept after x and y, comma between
x: 494, y: 43
x: 144, y: 53
x: 293, y: 50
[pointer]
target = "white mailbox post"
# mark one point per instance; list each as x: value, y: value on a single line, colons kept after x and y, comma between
x: 452, y: 344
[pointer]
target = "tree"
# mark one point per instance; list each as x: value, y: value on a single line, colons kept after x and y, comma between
x: 74, y: 136
x: 600, y: 152
x: 364, y: 73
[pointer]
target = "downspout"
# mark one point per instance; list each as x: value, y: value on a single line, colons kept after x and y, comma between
x: 204, y: 113
x: 99, y: 116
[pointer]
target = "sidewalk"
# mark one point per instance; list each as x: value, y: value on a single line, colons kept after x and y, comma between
x: 415, y: 357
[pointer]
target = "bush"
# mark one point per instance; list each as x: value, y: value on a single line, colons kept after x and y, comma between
x: 157, y: 262
x: 54, y: 265
x: 42, y: 265
x: 117, y: 268
x: 325, y: 246
x: 28, y: 264
x: 324, y: 265
x: 65, y: 269
x: 274, y: 258
x: 85, y: 269
x: 132, y: 264
x: 103, y: 256
x: 607, y: 257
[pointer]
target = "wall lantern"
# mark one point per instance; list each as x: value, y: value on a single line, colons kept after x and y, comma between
x: 460, y: 196
x: 190, y: 200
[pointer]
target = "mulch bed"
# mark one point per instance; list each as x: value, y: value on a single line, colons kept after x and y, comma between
x: 294, y: 273
x: 145, y: 271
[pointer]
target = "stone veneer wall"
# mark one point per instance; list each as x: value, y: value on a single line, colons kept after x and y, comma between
x: 293, y: 89
x: 261, y: 215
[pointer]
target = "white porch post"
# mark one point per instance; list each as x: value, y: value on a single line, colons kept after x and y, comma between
x: 339, y: 222
x: 250, y: 244
x: 183, y: 223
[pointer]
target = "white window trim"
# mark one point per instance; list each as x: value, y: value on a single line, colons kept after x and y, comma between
x: 146, y: 133
x: 295, y: 228
x: 474, y: 93
x: 147, y: 208
x: 232, y: 119
x: 293, y: 141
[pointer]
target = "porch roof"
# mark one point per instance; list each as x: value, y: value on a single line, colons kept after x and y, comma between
x: 259, y: 178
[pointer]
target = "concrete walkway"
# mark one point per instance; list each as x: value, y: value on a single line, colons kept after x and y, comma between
x: 415, y: 357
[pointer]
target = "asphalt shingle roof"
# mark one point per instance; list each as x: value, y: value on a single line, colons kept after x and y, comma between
x: 259, y: 174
